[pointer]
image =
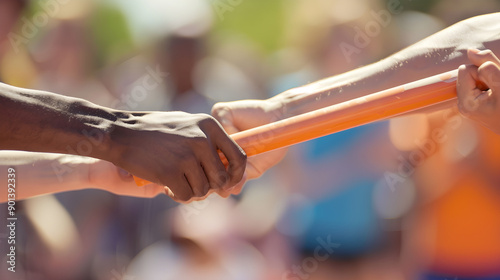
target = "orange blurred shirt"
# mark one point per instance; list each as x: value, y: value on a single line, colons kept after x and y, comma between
x: 458, y: 232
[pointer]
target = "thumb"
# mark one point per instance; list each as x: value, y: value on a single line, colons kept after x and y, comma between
x: 224, y: 115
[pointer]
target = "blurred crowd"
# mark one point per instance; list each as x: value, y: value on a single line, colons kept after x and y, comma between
x: 382, y: 201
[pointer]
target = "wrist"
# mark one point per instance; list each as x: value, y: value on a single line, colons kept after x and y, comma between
x: 335, y: 89
x: 77, y: 177
x: 300, y: 100
x: 106, y: 136
x: 88, y: 130
x: 278, y: 107
x: 46, y: 122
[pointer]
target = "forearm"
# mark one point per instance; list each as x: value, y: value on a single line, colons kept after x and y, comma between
x: 443, y: 51
x: 39, y: 173
x: 46, y: 122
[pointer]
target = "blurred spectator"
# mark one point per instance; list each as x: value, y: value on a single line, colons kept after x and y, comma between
x: 179, y: 56
x: 65, y: 56
x: 443, y: 220
x: 10, y: 11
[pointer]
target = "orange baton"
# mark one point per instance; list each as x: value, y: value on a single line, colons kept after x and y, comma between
x: 356, y: 112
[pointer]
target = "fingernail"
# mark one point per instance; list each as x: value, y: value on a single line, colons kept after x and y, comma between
x: 483, y: 51
x: 223, y: 180
x: 168, y: 192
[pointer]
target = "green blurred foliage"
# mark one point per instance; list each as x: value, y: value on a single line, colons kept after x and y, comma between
x: 417, y: 5
x: 111, y: 33
x: 107, y: 25
x: 262, y: 21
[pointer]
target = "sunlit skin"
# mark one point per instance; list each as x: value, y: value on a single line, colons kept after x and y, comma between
x: 46, y: 173
x: 173, y: 149
x: 478, y: 88
x: 187, y: 138
x: 441, y: 52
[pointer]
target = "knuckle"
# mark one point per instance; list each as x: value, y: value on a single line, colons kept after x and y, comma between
x: 239, y: 174
x: 180, y: 198
x: 205, y: 117
x: 465, y: 70
x: 183, y: 197
x: 206, y: 120
x: 219, y: 108
x: 470, y: 68
x: 201, y: 190
x: 223, y: 112
x: 219, y: 178
x: 488, y: 67
x: 216, y: 184
x: 240, y: 160
x: 243, y: 157
x: 197, y: 195
x: 237, y: 171
x: 205, y: 190
x: 467, y: 108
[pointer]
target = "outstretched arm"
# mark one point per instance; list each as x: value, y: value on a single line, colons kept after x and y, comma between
x: 174, y: 149
x: 35, y: 174
x: 441, y: 52
x: 438, y: 53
